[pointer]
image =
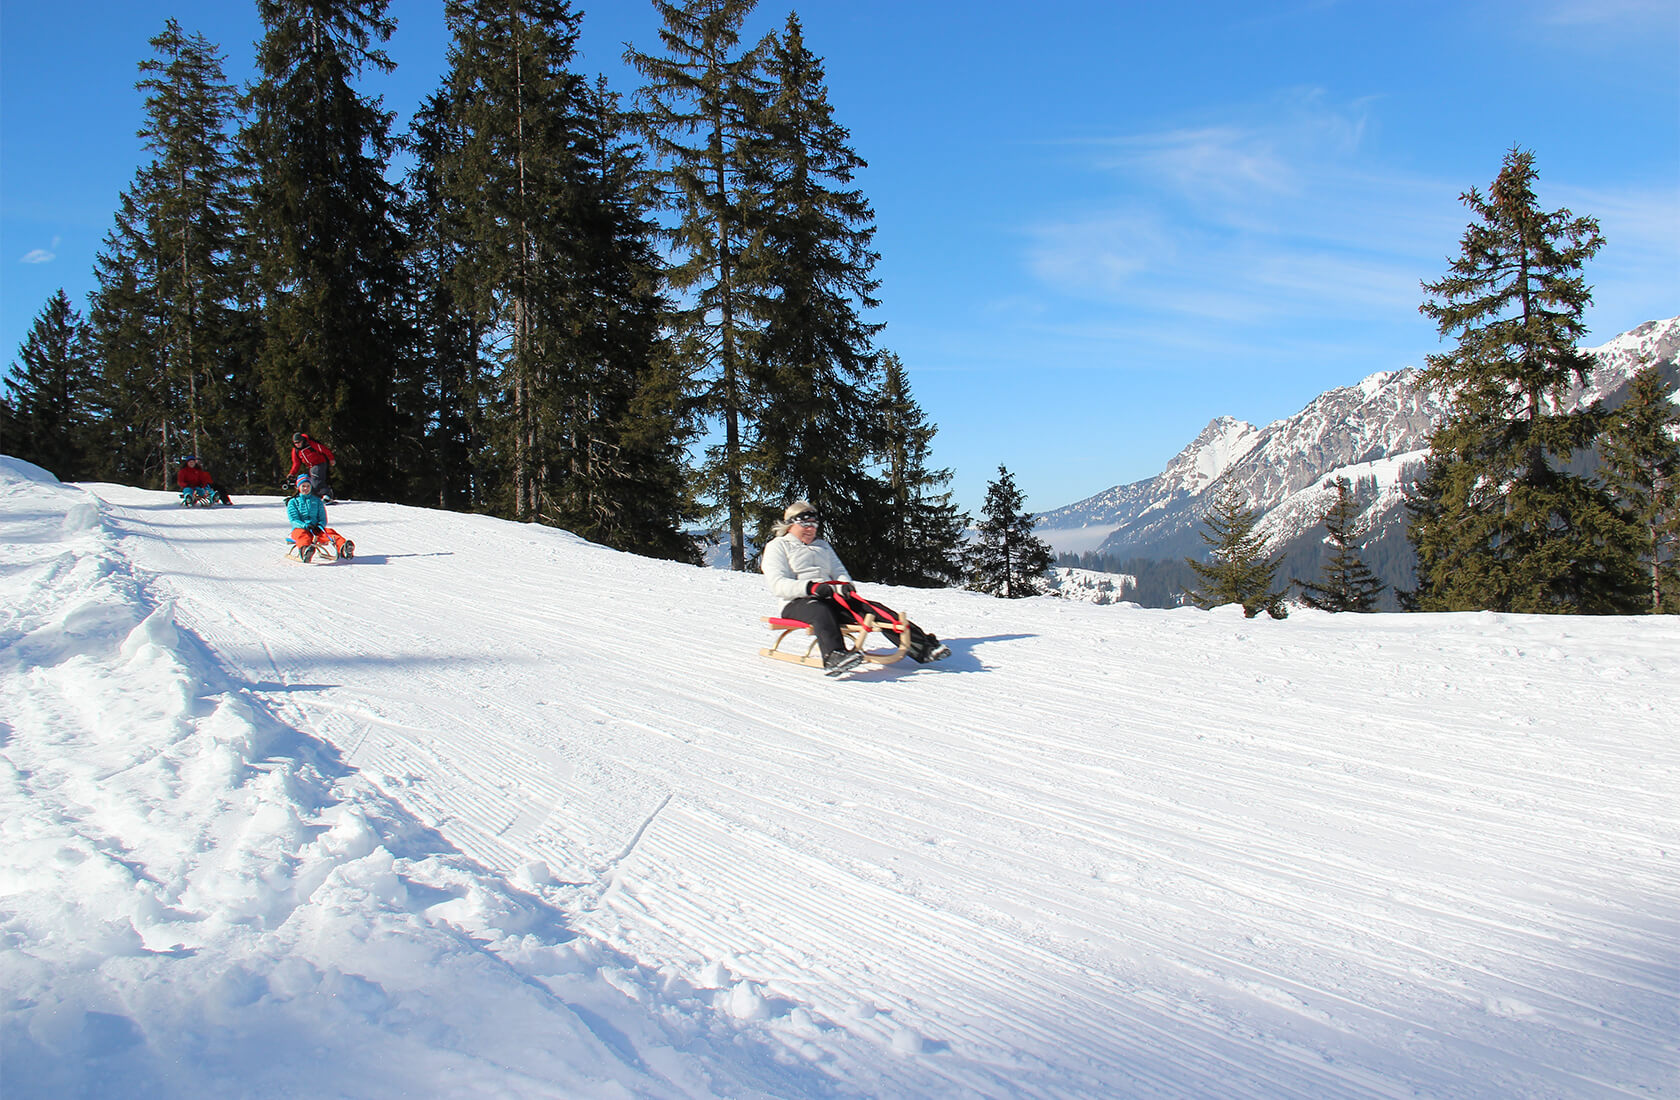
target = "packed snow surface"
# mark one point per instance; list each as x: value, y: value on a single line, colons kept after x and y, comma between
x: 490, y: 811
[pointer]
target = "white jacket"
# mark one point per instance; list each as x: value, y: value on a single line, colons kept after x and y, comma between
x: 790, y: 566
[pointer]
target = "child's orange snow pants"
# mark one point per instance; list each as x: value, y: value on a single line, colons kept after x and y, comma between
x: 302, y: 537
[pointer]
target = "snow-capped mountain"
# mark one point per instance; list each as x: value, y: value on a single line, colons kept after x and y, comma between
x: 1374, y: 433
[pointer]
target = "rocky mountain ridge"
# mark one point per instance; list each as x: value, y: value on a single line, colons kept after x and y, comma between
x: 1375, y: 433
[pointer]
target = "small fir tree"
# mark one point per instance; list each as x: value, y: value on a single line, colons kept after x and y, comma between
x: 1007, y: 559
x: 1347, y: 585
x: 1501, y: 524
x: 1238, y: 569
x: 921, y: 537
x: 1642, y: 466
x: 48, y: 421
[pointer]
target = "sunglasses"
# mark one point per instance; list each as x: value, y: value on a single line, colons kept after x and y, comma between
x: 807, y: 519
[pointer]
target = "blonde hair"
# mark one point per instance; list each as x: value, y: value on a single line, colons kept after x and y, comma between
x: 792, y: 512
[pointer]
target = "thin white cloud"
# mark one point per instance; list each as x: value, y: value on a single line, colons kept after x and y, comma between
x: 1270, y: 153
x: 1215, y: 163
x: 1289, y: 217
x: 1250, y: 222
x: 1632, y: 15
x: 1101, y: 253
x: 1636, y: 275
x: 38, y: 256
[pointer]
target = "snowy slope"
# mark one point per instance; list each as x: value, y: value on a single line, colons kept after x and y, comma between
x: 492, y: 811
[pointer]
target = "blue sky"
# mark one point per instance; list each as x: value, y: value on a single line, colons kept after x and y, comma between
x: 1101, y: 223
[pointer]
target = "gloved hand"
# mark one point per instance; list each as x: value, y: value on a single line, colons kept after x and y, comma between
x: 316, y: 529
x: 820, y: 589
x: 845, y: 588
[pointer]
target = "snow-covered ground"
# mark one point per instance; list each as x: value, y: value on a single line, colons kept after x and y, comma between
x: 1068, y: 583
x: 491, y: 811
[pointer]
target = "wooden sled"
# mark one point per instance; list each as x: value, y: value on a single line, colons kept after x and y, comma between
x: 855, y: 635
x: 324, y: 554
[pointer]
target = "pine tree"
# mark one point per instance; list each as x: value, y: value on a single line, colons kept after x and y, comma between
x: 1238, y: 569
x: 699, y: 112
x: 164, y: 318
x: 551, y: 259
x: 1642, y: 465
x: 1007, y: 559
x: 48, y: 421
x: 922, y: 533
x: 812, y: 366
x: 1347, y: 585
x: 326, y: 254
x: 189, y: 109
x: 8, y: 419
x: 137, y: 412
x: 446, y: 332
x: 626, y: 483
x: 514, y: 103
x: 1507, y: 527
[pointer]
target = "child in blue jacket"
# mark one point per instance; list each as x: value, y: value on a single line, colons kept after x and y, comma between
x: 309, y: 523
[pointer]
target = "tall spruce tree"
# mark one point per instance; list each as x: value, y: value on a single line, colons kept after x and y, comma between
x: 446, y: 332
x: 1239, y: 568
x: 554, y: 264
x: 622, y: 405
x: 1641, y: 451
x: 1007, y: 559
x: 48, y: 419
x: 171, y: 374
x: 1347, y: 584
x: 812, y: 365
x: 922, y: 533
x: 1506, y: 527
x: 137, y: 417
x: 325, y: 249
x: 699, y: 110
x: 515, y: 104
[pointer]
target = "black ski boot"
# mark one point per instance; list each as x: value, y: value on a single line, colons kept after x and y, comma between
x: 840, y: 662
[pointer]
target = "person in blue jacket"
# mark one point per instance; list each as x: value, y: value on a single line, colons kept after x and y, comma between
x: 309, y: 523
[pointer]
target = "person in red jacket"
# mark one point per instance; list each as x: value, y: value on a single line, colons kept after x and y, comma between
x: 196, y: 483
x: 312, y: 457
